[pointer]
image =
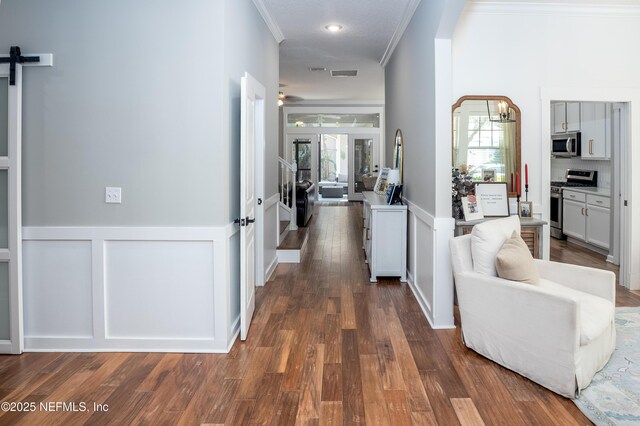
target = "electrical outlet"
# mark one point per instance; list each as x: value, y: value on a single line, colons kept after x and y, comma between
x: 113, y: 195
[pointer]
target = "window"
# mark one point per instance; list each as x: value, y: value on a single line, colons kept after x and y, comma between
x: 485, y: 141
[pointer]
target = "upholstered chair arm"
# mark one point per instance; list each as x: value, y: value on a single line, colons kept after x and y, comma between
x: 525, y: 327
x: 597, y: 282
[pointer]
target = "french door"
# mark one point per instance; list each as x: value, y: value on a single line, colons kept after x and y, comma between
x: 365, y: 162
x: 11, y: 327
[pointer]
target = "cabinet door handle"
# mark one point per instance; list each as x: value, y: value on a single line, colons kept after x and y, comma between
x: 590, y: 146
x: 599, y: 201
x: 583, y: 211
x: 586, y: 211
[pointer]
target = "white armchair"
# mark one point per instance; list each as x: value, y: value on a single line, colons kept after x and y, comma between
x: 558, y: 332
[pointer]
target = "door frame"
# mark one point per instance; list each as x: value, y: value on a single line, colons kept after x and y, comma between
x: 13, y: 254
x: 629, y: 235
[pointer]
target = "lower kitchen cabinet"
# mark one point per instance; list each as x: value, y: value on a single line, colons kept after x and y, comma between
x: 586, y: 217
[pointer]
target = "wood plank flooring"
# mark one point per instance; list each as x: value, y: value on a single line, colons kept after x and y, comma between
x: 325, y: 348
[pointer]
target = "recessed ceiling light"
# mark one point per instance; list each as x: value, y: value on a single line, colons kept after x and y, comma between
x: 334, y: 28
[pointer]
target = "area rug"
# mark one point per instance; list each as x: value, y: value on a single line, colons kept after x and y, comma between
x: 613, y: 397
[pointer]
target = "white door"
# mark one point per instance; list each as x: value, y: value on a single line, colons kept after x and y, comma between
x: 252, y: 133
x: 365, y: 160
x: 11, y: 328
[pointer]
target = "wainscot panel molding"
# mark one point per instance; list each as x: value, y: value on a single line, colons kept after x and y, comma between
x: 271, y: 235
x: 429, y: 265
x: 130, y: 289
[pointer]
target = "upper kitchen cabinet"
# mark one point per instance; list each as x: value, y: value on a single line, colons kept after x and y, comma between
x: 596, y: 130
x: 565, y: 116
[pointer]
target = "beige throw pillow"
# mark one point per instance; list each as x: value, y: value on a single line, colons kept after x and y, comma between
x: 514, y: 261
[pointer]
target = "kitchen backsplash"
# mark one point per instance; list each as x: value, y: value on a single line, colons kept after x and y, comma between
x: 559, y: 168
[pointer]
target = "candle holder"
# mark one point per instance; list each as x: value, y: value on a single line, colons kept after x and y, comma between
x: 526, y: 192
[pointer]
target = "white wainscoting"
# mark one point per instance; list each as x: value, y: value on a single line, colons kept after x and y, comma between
x: 429, y: 264
x: 129, y: 289
x: 271, y: 235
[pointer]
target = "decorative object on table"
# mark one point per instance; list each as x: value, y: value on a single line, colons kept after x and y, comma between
x: 398, y: 154
x: 493, y: 197
x: 513, y: 205
x: 613, y: 397
x: 518, y: 187
x: 393, y: 178
x: 394, y: 194
x: 488, y: 175
x: 472, y: 208
x: 381, y: 182
x: 525, y: 209
x: 526, y: 182
x: 461, y: 186
x: 369, y: 182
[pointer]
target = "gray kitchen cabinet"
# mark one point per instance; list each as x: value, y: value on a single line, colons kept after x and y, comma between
x: 596, y: 130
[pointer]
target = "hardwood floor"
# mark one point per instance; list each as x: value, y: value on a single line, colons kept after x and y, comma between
x: 566, y: 252
x: 326, y: 347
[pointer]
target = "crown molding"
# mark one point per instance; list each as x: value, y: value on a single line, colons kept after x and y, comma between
x: 268, y: 19
x: 548, y: 8
x: 409, y: 10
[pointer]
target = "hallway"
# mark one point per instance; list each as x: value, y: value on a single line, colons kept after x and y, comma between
x: 325, y: 347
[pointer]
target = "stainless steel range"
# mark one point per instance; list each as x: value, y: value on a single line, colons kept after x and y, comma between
x: 574, y: 178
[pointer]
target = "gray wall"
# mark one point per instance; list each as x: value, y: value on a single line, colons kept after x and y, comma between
x: 143, y: 95
x: 412, y: 99
x: 249, y: 47
x: 133, y: 100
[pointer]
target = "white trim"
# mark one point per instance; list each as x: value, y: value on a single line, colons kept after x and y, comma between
x: 629, y: 230
x: 271, y: 201
x: 46, y: 59
x: 549, y: 8
x: 129, y: 233
x: 4, y: 163
x: 271, y: 269
x: 409, y: 10
x: 438, y: 306
x: 225, y: 329
x: 269, y: 21
x: 289, y: 256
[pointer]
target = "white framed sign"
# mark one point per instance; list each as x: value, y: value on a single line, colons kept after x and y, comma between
x: 493, y: 197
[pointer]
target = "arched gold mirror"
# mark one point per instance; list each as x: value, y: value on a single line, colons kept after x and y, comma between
x: 486, y: 138
x: 398, y: 152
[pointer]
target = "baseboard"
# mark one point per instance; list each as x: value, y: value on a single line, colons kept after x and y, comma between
x: 235, y: 333
x: 271, y: 269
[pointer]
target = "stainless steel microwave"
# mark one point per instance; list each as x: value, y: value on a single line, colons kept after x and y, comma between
x: 565, y: 144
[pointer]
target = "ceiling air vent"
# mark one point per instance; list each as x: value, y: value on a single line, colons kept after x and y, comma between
x: 317, y: 69
x: 344, y: 73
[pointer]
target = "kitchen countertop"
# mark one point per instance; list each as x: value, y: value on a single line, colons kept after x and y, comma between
x: 603, y: 192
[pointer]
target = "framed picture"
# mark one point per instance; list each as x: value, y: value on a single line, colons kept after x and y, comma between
x: 489, y: 175
x: 493, y: 198
x: 394, y: 194
x: 525, y: 209
x: 381, y: 182
x: 472, y: 208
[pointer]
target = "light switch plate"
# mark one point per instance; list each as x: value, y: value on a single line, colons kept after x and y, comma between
x: 113, y: 195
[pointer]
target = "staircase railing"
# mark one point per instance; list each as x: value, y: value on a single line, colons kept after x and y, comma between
x: 287, y: 186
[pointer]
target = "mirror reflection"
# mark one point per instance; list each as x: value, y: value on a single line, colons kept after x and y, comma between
x: 398, y: 152
x: 486, y: 138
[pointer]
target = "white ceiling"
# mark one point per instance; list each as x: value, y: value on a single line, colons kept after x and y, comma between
x: 368, y: 29
x: 371, y: 28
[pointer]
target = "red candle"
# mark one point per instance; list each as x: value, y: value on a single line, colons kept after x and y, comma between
x: 511, y: 188
x: 526, y: 174
x: 518, y: 183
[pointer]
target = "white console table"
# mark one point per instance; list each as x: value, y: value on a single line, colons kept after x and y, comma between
x: 384, y: 237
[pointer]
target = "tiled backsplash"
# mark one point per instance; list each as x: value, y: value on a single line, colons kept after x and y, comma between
x: 559, y: 168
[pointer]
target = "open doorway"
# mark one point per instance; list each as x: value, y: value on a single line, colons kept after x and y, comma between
x: 333, y: 167
x: 586, y: 178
